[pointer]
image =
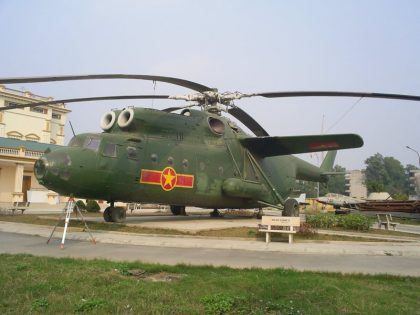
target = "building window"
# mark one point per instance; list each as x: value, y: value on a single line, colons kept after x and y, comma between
x: 56, y: 116
x: 39, y: 110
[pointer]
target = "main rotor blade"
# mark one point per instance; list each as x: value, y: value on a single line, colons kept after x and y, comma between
x: 339, y: 93
x: 86, y: 99
x: 248, y: 121
x: 184, y: 83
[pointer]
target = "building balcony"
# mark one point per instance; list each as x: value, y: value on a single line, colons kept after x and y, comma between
x: 21, y: 152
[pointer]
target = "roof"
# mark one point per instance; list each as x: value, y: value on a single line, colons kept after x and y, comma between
x: 29, y: 145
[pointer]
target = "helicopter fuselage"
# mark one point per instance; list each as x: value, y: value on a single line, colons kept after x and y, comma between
x: 194, y: 158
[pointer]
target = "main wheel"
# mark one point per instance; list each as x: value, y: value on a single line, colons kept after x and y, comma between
x: 291, y: 208
x: 118, y: 214
x: 178, y: 210
x: 107, y: 215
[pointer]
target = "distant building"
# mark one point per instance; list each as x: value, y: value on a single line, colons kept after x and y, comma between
x: 24, y: 135
x: 355, y: 184
x: 414, y: 185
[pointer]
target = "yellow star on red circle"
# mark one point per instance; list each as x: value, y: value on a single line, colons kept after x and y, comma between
x: 168, y: 179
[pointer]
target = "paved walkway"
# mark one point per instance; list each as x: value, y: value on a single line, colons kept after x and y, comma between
x: 347, y: 257
x: 410, y: 249
x: 370, y: 264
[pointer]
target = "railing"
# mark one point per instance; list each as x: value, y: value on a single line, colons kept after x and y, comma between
x: 34, y: 154
x: 9, y: 151
x: 20, y: 152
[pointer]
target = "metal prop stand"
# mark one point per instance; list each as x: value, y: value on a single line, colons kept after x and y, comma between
x: 67, y: 211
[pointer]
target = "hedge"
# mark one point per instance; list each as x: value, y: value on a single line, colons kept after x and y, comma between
x: 358, y: 222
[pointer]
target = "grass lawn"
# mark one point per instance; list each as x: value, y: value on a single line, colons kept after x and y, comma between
x: 40, y: 285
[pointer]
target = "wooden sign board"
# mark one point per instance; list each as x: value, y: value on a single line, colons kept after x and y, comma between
x: 280, y: 221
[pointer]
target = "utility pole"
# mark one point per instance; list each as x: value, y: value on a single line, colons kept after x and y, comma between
x: 418, y: 154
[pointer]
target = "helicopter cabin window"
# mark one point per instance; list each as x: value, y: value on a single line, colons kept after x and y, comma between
x: 132, y: 153
x: 92, y: 143
x: 110, y: 150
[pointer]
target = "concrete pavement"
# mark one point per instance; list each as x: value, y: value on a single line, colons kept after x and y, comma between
x: 369, y: 264
x: 180, y: 241
x: 398, y: 258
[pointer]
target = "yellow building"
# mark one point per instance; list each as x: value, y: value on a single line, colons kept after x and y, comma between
x: 24, y: 135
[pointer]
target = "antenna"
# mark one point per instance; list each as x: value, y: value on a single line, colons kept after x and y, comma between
x: 71, y: 126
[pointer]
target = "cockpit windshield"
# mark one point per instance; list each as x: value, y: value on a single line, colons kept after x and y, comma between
x: 76, y: 141
x: 92, y: 143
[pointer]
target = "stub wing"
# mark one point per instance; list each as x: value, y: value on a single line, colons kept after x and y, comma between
x: 273, y: 146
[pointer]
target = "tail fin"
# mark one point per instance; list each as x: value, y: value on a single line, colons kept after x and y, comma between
x: 328, y: 163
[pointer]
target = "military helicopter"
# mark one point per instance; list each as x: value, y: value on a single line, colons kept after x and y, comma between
x: 183, y: 156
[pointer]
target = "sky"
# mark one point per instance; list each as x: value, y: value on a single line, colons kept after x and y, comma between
x: 247, y: 46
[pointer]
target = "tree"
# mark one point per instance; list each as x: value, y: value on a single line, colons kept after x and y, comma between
x: 376, y: 175
x: 306, y: 187
x: 397, y: 176
x: 336, y: 183
x: 386, y: 174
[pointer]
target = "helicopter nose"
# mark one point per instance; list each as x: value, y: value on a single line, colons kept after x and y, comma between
x: 40, y: 168
x: 51, y: 166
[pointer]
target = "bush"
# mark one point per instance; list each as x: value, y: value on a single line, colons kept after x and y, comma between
x: 92, y: 206
x: 358, y: 222
x: 322, y: 220
x: 81, y: 205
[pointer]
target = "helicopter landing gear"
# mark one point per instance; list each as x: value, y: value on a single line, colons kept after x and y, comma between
x: 215, y: 213
x: 107, y: 215
x: 114, y: 214
x: 118, y: 214
x: 178, y: 210
x: 259, y: 213
x: 291, y: 208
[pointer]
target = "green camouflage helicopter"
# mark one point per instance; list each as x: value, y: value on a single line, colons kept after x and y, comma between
x: 182, y: 156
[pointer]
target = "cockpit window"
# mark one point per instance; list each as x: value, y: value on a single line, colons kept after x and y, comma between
x: 110, y: 150
x: 76, y: 142
x: 92, y: 143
